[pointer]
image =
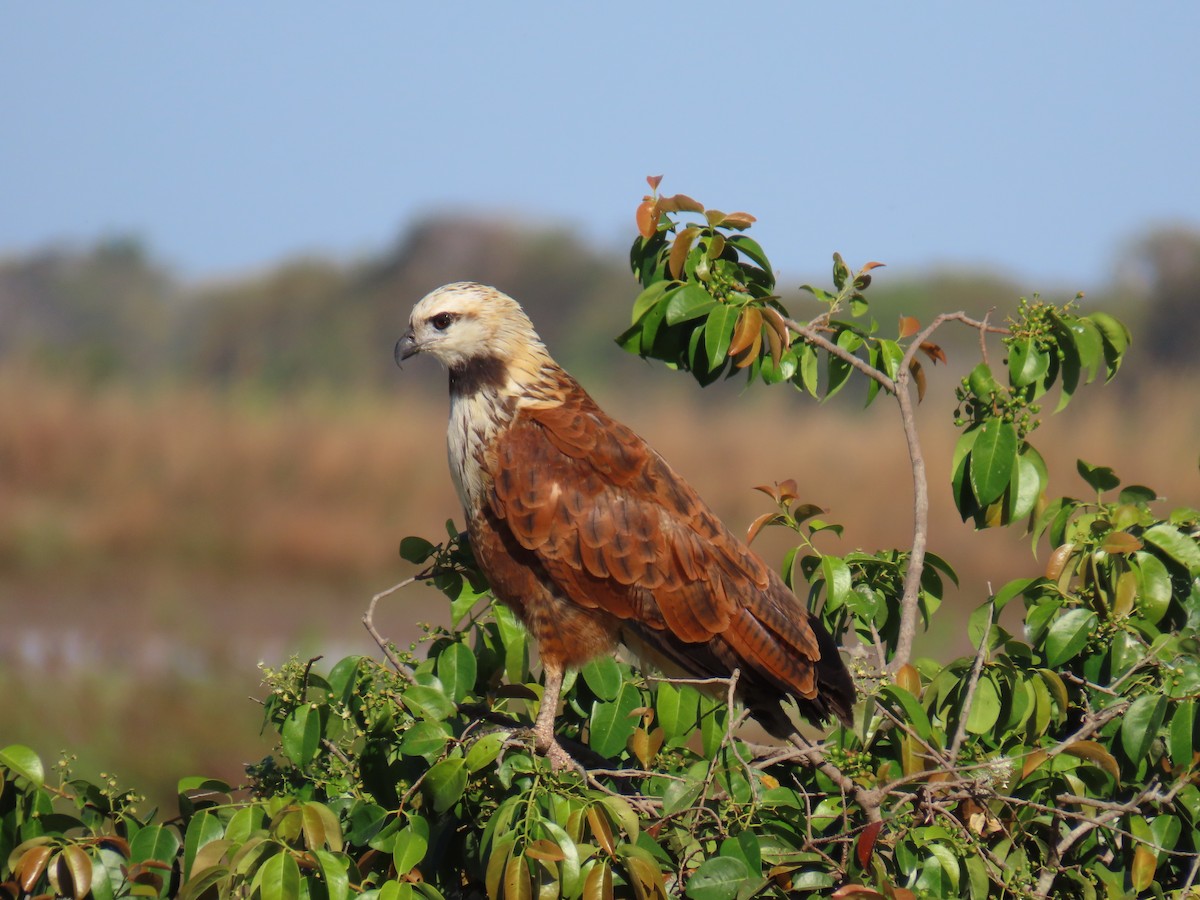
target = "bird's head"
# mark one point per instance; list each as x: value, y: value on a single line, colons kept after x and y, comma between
x: 466, y: 324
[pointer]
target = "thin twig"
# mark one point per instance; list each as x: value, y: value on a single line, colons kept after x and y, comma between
x: 369, y: 623
x: 961, y: 731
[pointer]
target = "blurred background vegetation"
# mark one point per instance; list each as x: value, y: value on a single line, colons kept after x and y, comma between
x: 199, y: 476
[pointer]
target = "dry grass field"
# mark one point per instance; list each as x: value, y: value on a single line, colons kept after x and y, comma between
x: 155, y: 544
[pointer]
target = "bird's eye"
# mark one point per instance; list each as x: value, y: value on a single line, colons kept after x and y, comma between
x: 442, y: 321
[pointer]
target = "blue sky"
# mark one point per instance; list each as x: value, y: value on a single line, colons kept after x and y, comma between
x: 1033, y: 138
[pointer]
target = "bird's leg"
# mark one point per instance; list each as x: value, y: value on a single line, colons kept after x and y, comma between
x: 543, y: 727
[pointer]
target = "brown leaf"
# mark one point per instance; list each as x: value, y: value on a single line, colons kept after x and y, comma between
x: 647, y: 218
x: 918, y: 375
x: 909, y: 326
x: 516, y: 879
x: 31, y: 865
x: 684, y: 203
x: 774, y: 344
x: 601, y: 830
x: 1141, y: 873
x: 866, y: 843
x: 545, y: 849
x: 867, y: 267
x: 775, y: 322
x: 758, y: 524
x: 1058, y: 561
x: 1094, y: 752
x: 680, y: 249
x: 739, y: 220
x: 771, y: 492
x: 714, y: 217
x: 934, y: 352
x: 599, y: 883
x: 1125, y: 595
x: 788, y: 490
x: 908, y: 678
x: 654, y: 181
x: 1121, y: 542
x: 749, y: 323
x: 1032, y: 761
x: 858, y: 891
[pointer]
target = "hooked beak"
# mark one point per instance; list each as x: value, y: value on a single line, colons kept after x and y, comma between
x: 406, y: 347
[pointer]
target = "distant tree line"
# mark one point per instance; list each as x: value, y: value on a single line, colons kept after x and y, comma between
x: 114, y: 311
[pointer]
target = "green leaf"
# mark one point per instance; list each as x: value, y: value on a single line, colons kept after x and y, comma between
x: 1090, y: 344
x: 1140, y: 724
x: 1101, y: 478
x: 1153, y: 586
x: 425, y: 739
x: 611, y: 723
x: 485, y: 750
x: 1116, y: 340
x: 718, y: 878
x: 718, y: 330
x: 20, y: 760
x: 1181, y: 743
x: 1026, y: 363
x: 838, y: 370
x: 985, y: 706
x: 603, y: 677
x: 204, y: 828
x: 516, y: 644
x: 911, y: 709
x: 445, y: 782
x: 154, y: 842
x: 320, y: 826
x: 689, y: 302
x: 301, y: 734
x: 1067, y: 636
x: 992, y: 459
x: 838, y: 581
x: 1182, y: 548
x: 416, y: 549
x: 456, y: 670
x: 749, y: 248
x: 410, y: 846
x: 649, y: 298
x: 335, y: 870
x: 279, y: 878
x: 676, y: 707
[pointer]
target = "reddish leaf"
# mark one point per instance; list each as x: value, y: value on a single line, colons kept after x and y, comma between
x: 866, y: 842
x: 647, y: 218
x: 738, y: 220
x: 775, y: 321
x: 758, y: 524
x: 1142, y: 871
x: 934, y: 352
x: 788, y: 490
x: 680, y: 250
x: 747, y: 333
x: 909, y: 325
x: 1121, y: 542
x: 1032, y: 761
x: 867, y: 267
x: 31, y: 865
x: 857, y: 891
x: 684, y: 203
x: 918, y: 375
x: 654, y: 181
x: 771, y: 492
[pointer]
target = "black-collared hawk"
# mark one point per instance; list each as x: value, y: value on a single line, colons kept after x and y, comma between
x: 592, y: 539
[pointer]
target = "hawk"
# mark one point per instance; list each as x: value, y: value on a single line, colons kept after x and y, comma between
x: 592, y: 539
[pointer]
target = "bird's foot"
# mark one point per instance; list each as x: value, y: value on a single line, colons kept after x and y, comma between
x: 560, y: 760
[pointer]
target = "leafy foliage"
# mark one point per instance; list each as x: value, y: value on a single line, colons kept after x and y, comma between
x: 1063, y: 759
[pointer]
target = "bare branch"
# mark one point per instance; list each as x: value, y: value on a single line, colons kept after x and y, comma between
x: 369, y: 623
